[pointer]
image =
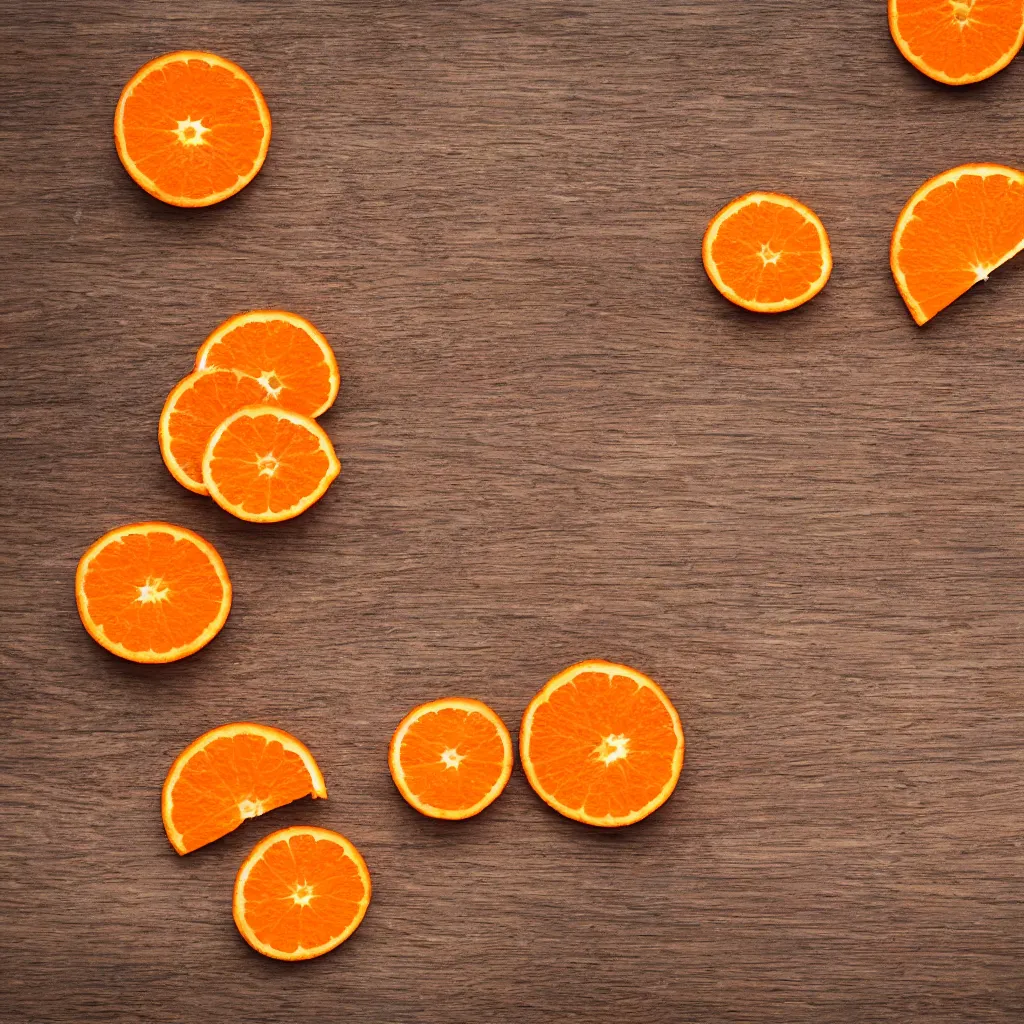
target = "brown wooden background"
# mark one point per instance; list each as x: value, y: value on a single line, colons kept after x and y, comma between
x: 558, y: 442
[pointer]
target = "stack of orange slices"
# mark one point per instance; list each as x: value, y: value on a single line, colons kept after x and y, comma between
x: 241, y: 426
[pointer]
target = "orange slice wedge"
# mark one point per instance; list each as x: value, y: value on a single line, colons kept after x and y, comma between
x: 152, y: 592
x: 767, y: 252
x: 451, y: 758
x: 957, y: 41
x: 232, y: 773
x: 266, y: 464
x: 602, y: 744
x: 955, y: 230
x: 283, y: 351
x: 191, y: 128
x: 194, y: 409
x: 300, y: 893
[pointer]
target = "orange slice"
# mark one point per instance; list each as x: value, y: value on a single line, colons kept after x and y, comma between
x: 301, y: 892
x: 194, y: 409
x: 767, y: 252
x: 957, y: 41
x: 191, y: 128
x: 232, y: 773
x: 602, y: 744
x: 266, y: 464
x: 283, y: 351
x: 955, y: 230
x: 152, y: 592
x: 451, y: 758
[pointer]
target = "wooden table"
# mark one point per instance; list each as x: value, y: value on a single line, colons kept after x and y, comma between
x: 558, y: 442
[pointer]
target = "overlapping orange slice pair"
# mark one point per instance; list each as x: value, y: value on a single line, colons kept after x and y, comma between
x: 301, y: 891
x: 241, y: 427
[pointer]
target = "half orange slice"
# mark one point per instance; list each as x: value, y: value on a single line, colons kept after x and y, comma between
x: 955, y: 230
x: 232, y: 773
x: 195, y: 407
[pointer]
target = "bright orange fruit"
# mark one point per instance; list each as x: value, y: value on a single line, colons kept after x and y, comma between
x: 301, y: 892
x: 265, y: 464
x: 283, y: 351
x: 191, y: 128
x: 152, y: 592
x: 194, y: 409
x: 955, y: 230
x: 957, y: 41
x: 231, y: 773
x: 767, y: 252
x: 451, y: 758
x: 601, y: 743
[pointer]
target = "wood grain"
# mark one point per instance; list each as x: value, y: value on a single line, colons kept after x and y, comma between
x: 558, y: 442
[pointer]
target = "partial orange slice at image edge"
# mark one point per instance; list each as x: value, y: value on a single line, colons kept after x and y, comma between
x: 195, y: 407
x: 451, y: 758
x: 602, y: 744
x: 957, y: 42
x: 191, y: 128
x: 232, y: 773
x: 291, y: 359
x: 152, y: 592
x: 767, y: 252
x: 265, y: 464
x: 954, y: 231
x: 300, y: 893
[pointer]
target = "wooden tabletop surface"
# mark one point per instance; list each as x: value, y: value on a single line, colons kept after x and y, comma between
x: 558, y: 442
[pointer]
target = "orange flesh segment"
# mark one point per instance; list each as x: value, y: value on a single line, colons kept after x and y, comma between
x: 153, y: 592
x: 197, y: 408
x: 230, y: 779
x: 958, y: 42
x: 267, y: 464
x: 603, y: 746
x: 336, y: 894
x: 959, y: 232
x: 193, y: 129
x: 284, y: 356
x: 452, y: 758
